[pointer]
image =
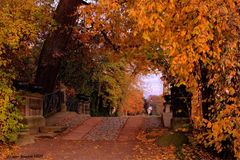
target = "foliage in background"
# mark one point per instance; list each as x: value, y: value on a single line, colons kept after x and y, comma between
x: 96, y: 65
x: 76, y: 70
x: 21, y: 25
x: 132, y: 102
x: 97, y: 76
x: 113, y: 80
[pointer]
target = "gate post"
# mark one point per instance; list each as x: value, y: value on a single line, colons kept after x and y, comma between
x: 63, y: 89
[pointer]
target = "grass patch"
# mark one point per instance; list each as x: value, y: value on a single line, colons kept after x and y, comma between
x: 175, y: 139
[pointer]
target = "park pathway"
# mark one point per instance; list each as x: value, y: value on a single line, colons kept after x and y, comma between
x: 97, y: 138
x: 79, y: 132
x: 131, y: 129
x: 107, y: 128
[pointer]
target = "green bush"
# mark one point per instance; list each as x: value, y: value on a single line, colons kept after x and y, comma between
x: 10, y: 119
x: 10, y: 116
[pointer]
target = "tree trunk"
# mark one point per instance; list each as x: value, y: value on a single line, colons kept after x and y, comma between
x: 55, y: 44
x: 98, y: 97
x: 197, y: 112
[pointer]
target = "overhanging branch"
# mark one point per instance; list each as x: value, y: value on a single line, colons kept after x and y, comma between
x: 114, y: 46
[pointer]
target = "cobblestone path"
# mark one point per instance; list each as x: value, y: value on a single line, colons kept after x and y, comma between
x: 107, y: 130
x: 79, y: 132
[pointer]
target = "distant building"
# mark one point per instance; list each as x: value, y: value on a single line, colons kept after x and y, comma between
x: 156, y: 101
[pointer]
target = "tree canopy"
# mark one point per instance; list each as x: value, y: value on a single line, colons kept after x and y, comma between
x: 22, y: 25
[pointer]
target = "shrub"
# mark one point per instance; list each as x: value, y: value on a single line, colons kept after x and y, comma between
x: 9, y: 114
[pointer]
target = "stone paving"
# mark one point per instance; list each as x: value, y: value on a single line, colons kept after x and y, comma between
x: 108, y: 129
x: 151, y: 122
x: 79, y: 132
x: 131, y: 129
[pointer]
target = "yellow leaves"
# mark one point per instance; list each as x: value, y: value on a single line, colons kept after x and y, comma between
x: 88, y: 22
x: 203, y: 9
x: 225, y: 127
x: 159, y: 7
x: 232, y: 4
x: 144, y: 137
x: 200, y: 31
x: 8, y: 151
x: 172, y: 4
x: 132, y: 13
x: 21, y: 21
x: 196, y: 30
x: 228, y: 62
x: 20, y: 25
x: 183, y: 33
x: 174, y: 45
x: 209, y: 124
x: 146, y: 36
x: 204, y: 30
x: 231, y: 91
x: 224, y: 10
x: 153, y: 17
x: 3, y: 63
x: 109, y: 4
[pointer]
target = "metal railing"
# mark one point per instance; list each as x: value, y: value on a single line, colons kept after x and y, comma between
x: 52, y: 103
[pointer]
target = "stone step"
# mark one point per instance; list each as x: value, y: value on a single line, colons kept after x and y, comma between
x: 25, y: 138
x: 33, y: 123
x: 30, y: 130
x: 52, y: 129
x: 45, y: 135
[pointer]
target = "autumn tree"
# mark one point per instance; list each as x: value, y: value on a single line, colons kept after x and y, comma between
x: 97, y: 72
x: 54, y: 47
x: 198, y: 35
x: 104, y: 62
x: 195, y: 43
x: 96, y: 77
x: 20, y: 25
x: 132, y: 102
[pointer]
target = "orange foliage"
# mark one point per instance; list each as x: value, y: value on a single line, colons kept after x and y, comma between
x: 133, y: 102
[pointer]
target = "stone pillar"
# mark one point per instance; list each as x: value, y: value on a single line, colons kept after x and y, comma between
x: 167, y: 115
x: 32, y: 111
x: 88, y: 107
x: 63, y: 89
